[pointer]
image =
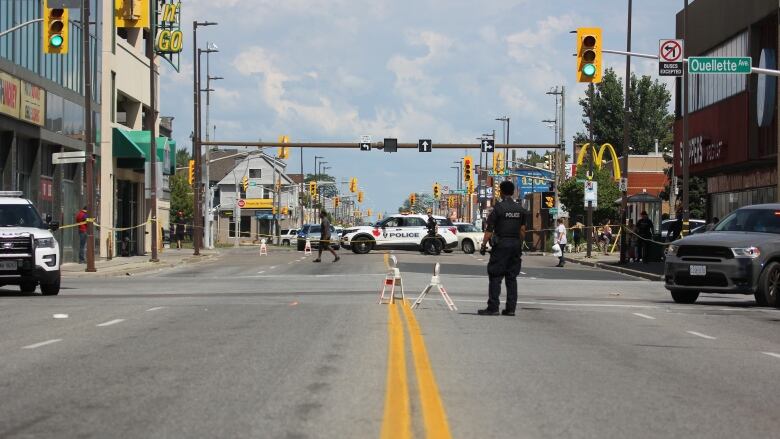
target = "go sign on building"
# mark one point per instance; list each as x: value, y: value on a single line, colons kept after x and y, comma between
x: 169, y: 37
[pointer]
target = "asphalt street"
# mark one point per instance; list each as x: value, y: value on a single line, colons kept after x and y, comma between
x: 249, y: 346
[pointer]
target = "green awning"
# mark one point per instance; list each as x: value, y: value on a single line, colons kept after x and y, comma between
x: 130, y: 149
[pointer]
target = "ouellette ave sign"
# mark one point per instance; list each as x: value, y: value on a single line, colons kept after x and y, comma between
x: 719, y: 65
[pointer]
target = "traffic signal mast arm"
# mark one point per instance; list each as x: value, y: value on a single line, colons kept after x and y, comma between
x: 376, y: 145
x: 756, y: 70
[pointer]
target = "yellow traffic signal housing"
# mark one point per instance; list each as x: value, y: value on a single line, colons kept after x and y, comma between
x: 336, y: 202
x: 368, y: 212
x: 313, y: 188
x: 131, y: 13
x: 55, y: 30
x: 245, y: 183
x: 353, y: 185
x: 191, y: 172
x: 283, y: 152
x: 589, y: 54
x: 412, y: 199
x: 467, y: 168
x: 285, y: 210
x: 360, y: 197
x: 471, y: 187
x: 436, y: 191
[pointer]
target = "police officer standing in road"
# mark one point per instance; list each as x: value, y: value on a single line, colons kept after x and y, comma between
x: 432, y: 245
x: 505, y: 231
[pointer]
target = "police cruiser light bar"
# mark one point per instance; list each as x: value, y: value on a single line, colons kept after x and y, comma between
x: 11, y: 193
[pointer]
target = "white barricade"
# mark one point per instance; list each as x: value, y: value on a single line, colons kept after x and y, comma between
x: 436, y: 283
x: 263, y: 247
x: 392, y: 279
x: 307, y: 247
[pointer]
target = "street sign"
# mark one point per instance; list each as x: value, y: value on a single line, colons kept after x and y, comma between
x: 488, y: 145
x: 553, y: 211
x: 365, y: 143
x: 489, y: 191
x: 445, y: 189
x: 670, y: 58
x: 61, y: 158
x: 498, y: 174
x: 424, y: 145
x: 459, y: 191
x: 720, y: 64
x: 623, y: 184
x: 390, y: 145
x: 591, y: 191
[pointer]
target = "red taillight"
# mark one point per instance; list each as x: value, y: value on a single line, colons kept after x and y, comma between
x: 454, y: 230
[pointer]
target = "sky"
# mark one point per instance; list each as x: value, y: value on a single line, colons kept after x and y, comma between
x: 333, y: 70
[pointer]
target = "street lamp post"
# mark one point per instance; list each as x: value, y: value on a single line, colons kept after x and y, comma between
x: 197, y: 228
x: 505, y: 122
x: 626, y: 140
x: 210, y: 48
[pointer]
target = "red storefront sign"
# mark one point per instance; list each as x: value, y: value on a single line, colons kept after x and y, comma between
x: 47, y: 189
x: 718, y: 136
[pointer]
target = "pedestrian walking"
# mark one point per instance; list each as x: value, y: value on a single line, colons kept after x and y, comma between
x: 560, y: 239
x: 605, y: 236
x: 81, y: 219
x: 505, y: 231
x: 633, y: 251
x: 325, y: 238
x: 644, y: 231
x: 179, y: 228
x: 576, y: 233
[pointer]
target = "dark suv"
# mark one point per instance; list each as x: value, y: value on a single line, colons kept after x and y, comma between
x: 312, y: 233
x: 740, y: 256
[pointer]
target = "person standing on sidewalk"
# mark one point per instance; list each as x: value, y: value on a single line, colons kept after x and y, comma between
x: 560, y: 239
x: 505, y: 231
x: 325, y: 237
x: 81, y: 219
x: 178, y: 227
x: 577, y: 233
x: 644, y: 230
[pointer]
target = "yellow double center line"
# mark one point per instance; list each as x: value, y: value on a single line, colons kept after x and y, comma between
x: 397, y: 416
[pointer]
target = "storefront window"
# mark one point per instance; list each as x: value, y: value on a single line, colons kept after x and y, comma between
x: 55, y: 111
x: 721, y: 204
x: 705, y: 90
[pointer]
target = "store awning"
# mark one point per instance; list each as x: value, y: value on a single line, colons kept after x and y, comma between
x: 130, y: 149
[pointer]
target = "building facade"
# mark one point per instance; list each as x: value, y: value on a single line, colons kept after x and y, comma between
x: 733, y: 119
x: 42, y: 112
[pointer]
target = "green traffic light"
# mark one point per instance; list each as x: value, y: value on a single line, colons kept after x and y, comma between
x: 589, y: 70
x: 56, y: 40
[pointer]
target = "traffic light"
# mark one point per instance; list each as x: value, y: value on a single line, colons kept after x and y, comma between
x: 283, y: 152
x: 548, y: 161
x: 548, y: 200
x: 368, y: 212
x: 451, y: 201
x: 245, y: 183
x: 467, y: 170
x: 313, y: 188
x: 336, y: 202
x: 498, y: 162
x: 55, y: 29
x: 436, y: 191
x: 412, y: 199
x: 589, y: 54
x: 497, y: 189
x: 353, y: 185
x: 191, y: 172
x: 360, y: 197
x: 285, y: 210
x: 471, y: 187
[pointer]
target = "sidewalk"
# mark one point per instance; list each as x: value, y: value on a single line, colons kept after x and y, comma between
x: 650, y: 270
x: 138, y: 264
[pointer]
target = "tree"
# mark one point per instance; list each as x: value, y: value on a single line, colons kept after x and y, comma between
x: 183, y: 158
x: 649, y: 119
x: 421, y: 205
x: 572, y: 194
x: 326, y: 184
x: 697, y: 192
x: 181, y: 195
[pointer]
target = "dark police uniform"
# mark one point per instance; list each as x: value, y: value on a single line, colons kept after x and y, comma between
x: 506, y: 256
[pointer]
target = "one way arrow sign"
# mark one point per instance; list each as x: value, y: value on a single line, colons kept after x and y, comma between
x: 424, y: 145
x: 488, y: 145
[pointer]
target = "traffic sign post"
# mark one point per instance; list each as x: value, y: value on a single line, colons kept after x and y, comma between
x: 670, y: 58
x: 365, y: 143
x: 61, y: 158
x: 738, y: 65
x: 424, y: 145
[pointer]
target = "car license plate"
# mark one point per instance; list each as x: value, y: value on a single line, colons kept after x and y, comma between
x: 7, y: 265
x: 697, y: 270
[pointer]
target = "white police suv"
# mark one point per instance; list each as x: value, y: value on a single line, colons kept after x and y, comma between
x: 29, y: 253
x: 399, y: 232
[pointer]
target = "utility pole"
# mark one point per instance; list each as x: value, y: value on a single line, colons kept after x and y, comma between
x: 209, y: 244
x: 589, y: 219
x: 626, y: 140
x: 152, y: 123
x: 685, y: 144
x: 89, y: 132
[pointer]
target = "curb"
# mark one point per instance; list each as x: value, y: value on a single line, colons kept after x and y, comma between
x: 145, y: 267
x: 628, y: 271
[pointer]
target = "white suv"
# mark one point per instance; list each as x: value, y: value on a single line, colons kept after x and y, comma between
x: 29, y: 253
x: 398, y: 232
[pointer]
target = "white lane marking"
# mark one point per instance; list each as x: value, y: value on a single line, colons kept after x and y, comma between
x: 43, y: 343
x: 699, y: 334
x: 272, y: 267
x: 156, y: 308
x: 585, y: 305
x: 523, y: 273
x: 111, y: 322
x: 261, y: 272
x: 771, y: 354
x: 480, y: 260
x: 60, y: 316
x: 644, y: 316
x: 291, y: 262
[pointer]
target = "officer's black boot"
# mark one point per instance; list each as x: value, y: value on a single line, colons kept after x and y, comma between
x: 488, y: 312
